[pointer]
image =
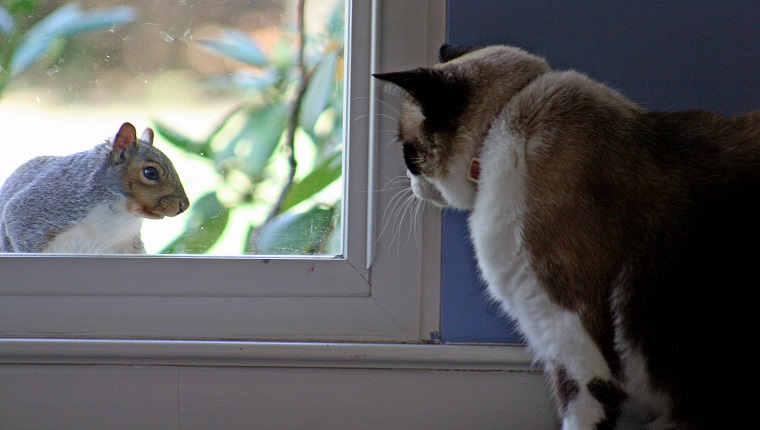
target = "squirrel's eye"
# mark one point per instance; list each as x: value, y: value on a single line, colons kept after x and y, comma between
x: 150, y: 173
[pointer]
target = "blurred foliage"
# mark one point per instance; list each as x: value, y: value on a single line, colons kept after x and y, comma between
x: 292, y: 113
x: 25, y: 42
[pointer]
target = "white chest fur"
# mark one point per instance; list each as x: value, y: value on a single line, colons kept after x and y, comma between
x: 107, y: 229
x: 556, y: 334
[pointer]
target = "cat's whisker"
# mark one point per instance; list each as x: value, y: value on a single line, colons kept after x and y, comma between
x: 377, y: 114
x: 404, y: 210
x: 410, y: 208
x: 419, y: 208
x: 390, y: 106
x: 398, y: 216
x: 385, y: 130
x: 394, y: 202
x: 393, y: 141
x: 392, y: 184
x: 400, y: 204
x: 395, y: 183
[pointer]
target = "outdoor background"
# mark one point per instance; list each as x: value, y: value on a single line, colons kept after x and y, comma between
x: 218, y: 81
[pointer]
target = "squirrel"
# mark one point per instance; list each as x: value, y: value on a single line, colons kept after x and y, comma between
x: 91, y: 202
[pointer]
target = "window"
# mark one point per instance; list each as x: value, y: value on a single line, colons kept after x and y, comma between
x: 245, y: 97
x: 377, y: 290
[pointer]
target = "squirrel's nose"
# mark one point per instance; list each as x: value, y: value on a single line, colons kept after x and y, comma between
x: 183, y: 204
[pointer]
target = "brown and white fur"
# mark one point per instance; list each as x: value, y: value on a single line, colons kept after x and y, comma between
x: 623, y: 241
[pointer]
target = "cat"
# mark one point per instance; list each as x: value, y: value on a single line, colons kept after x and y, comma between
x: 623, y: 241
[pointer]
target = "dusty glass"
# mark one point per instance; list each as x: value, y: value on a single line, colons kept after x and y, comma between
x: 245, y: 97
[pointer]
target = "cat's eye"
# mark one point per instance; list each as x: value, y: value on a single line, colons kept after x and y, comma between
x: 150, y: 173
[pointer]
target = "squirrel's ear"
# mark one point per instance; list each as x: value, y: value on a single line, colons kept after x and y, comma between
x: 125, y: 139
x: 147, y: 137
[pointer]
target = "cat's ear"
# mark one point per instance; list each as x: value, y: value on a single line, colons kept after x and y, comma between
x: 439, y: 95
x: 423, y: 84
x: 450, y: 52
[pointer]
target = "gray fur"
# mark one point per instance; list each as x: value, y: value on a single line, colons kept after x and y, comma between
x: 48, y: 195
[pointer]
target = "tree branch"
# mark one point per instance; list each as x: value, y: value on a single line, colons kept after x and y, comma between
x: 295, y: 111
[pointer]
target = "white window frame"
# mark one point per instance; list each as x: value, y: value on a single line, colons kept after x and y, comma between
x: 381, y: 289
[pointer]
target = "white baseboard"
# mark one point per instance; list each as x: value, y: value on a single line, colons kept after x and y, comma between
x: 85, y: 384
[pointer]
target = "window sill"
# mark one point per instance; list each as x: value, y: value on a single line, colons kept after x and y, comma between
x: 96, y: 384
x: 265, y: 354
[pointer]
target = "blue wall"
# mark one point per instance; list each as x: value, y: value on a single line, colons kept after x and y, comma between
x: 664, y: 55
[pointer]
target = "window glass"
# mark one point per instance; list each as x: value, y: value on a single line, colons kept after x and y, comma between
x: 375, y: 290
x: 245, y: 97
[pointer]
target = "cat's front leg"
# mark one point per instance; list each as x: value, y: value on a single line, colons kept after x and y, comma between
x: 586, y: 405
x: 588, y: 394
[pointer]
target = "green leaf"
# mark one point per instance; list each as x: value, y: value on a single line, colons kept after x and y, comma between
x: 236, y: 45
x: 317, y: 95
x: 21, y: 7
x: 6, y: 22
x: 296, y: 234
x: 324, y: 174
x: 336, y: 23
x: 206, y: 220
x: 180, y: 141
x: 260, y: 136
x: 41, y: 37
x: 282, y: 56
x: 102, y: 19
x: 68, y: 20
x: 243, y: 80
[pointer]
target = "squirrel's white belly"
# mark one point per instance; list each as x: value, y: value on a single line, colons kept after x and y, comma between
x: 104, y: 231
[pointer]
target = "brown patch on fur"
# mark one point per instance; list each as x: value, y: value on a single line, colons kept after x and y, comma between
x: 565, y: 388
x: 577, y: 226
x: 611, y: 397
x: 149, y: 197
x: 50, y: 235
x: 669, y: 200
x: 154, y: 199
